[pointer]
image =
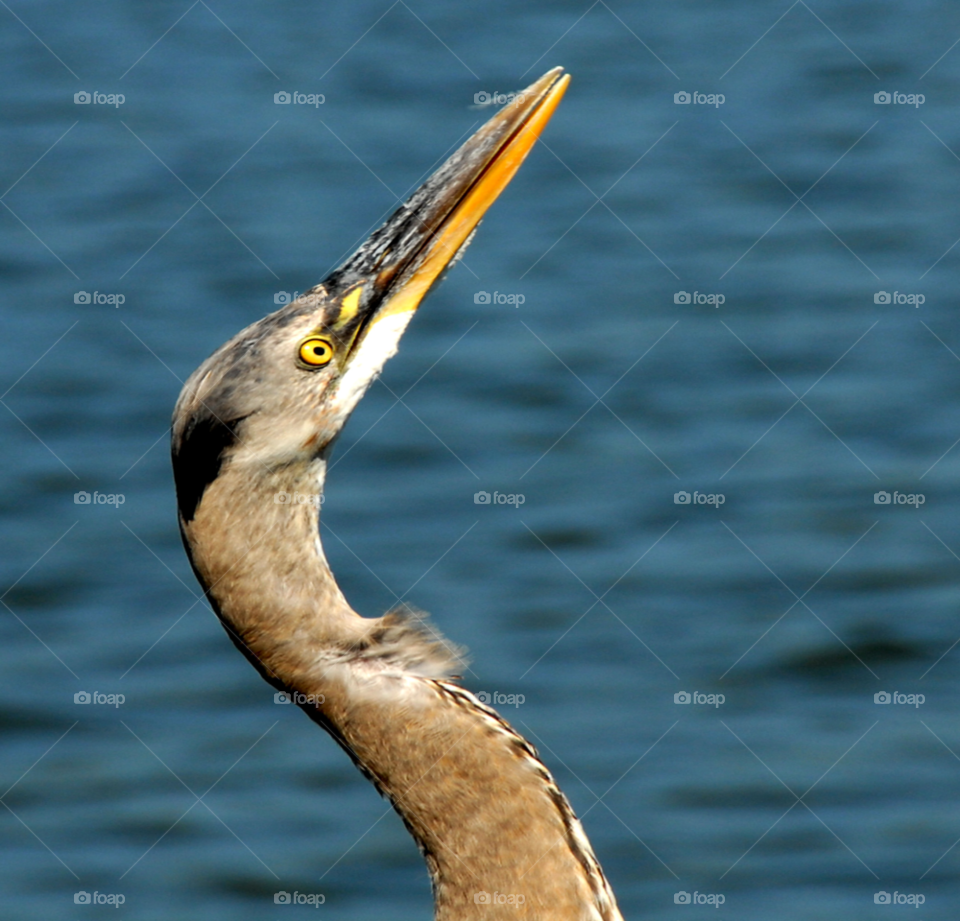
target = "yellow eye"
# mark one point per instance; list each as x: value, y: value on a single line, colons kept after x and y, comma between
x: 316, y: 352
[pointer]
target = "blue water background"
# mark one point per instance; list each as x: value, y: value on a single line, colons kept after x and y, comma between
x: 597, y: 400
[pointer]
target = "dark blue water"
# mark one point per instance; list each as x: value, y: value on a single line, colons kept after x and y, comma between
x: 598, y: 399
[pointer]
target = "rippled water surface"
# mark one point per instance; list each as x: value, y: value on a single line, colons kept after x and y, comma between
x: 599, y: 400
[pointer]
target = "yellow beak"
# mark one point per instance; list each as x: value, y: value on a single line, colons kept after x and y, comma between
x: 395, y: 268
x: 517, y: 127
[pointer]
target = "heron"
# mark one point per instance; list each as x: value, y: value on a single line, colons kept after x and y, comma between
x: 254, y: 426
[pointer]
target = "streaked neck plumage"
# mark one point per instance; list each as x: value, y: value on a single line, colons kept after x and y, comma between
x: 499, y: 838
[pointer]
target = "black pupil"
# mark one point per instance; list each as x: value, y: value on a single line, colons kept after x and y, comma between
x: 319, y: 350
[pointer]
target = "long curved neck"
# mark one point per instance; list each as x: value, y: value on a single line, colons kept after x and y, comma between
x: 499, y: 838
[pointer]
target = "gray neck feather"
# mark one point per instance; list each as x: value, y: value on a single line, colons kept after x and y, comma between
x: 483, y: 809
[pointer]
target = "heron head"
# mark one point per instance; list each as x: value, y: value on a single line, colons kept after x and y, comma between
x: 279, y: 392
